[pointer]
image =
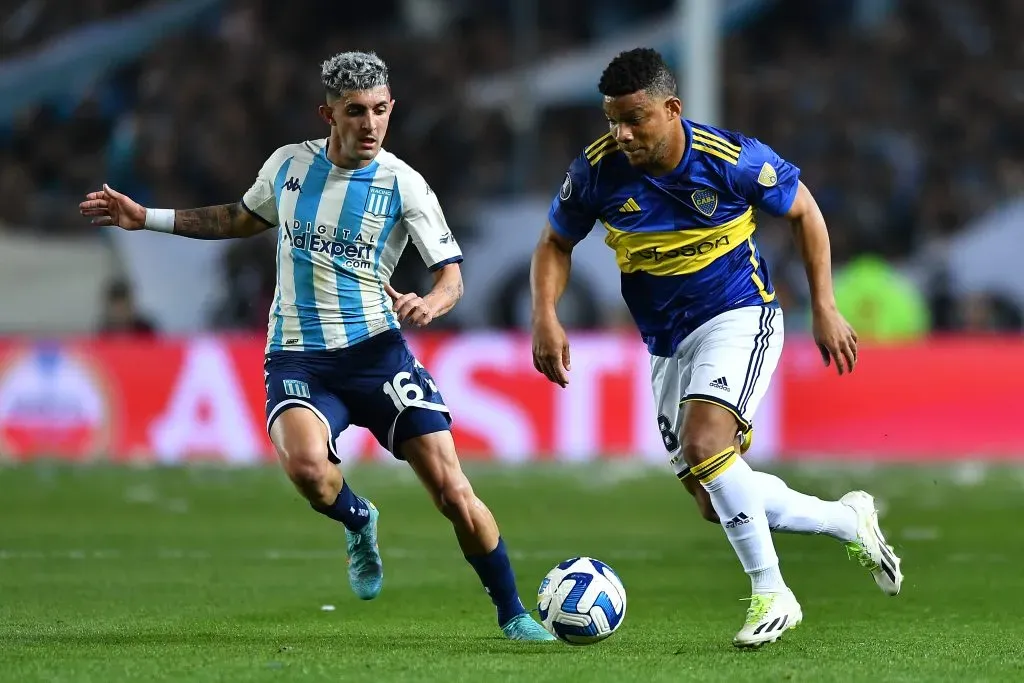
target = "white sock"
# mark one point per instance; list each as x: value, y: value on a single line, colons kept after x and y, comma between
x: 793, y: 512
x: 733, y: 491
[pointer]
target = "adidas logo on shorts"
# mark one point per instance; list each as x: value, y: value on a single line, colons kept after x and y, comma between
x: 720, y: 384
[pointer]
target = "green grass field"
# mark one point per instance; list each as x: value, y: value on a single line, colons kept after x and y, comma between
x: 220, y: 575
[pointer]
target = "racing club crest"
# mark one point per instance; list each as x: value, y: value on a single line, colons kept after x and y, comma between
x: 705, y: 201
x: 378, y: 201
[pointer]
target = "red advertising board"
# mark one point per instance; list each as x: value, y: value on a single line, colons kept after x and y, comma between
x: 202, y: 399
x: 949, y: 398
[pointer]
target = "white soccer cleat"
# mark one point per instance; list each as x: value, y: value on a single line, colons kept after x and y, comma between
x: 870, y: 548
x: 768, y: 617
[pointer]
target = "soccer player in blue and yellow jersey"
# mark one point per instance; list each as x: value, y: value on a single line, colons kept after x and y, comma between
x: 677, y: 201
x: 344, y: 209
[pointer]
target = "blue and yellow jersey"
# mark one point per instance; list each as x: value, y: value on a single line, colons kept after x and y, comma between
x: 683, y: 241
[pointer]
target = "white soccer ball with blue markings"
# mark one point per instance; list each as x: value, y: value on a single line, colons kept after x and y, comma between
x: 581, y: 601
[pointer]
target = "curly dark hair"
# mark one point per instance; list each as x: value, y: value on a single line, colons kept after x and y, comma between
x: 638, y: 69
x: 353, y: 71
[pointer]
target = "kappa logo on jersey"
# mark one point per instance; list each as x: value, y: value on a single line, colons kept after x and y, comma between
x: 705, y: 201
x: 378, y: 201
x: 293, y: 185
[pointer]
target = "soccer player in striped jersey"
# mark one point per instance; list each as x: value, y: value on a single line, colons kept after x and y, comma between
x: 344, y: 209
x: 677, y: 201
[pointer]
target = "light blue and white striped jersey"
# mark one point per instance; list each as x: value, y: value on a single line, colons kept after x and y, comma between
x: 341, y: 233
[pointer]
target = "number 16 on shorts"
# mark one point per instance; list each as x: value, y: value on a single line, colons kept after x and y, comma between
x: 406, y: 391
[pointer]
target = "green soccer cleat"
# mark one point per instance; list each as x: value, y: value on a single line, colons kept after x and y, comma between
x: 365, y: 567
x: 523, y: 627
x: 768, y: 617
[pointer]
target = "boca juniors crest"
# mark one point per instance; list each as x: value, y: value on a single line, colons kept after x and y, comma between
x: 378, y: 201
x: 705, y: 201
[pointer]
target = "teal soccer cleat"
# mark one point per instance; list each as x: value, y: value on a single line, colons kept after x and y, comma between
x: 523, y: 627
x: 365, y: 568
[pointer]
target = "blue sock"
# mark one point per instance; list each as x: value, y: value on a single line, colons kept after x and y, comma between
x: 348, y: 508
x: 495, y: 572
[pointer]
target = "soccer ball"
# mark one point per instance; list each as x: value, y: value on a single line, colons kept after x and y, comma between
x: 581, y: 601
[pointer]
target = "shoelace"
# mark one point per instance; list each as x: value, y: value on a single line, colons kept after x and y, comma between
x: 759, y: 606
x: 855, y: 551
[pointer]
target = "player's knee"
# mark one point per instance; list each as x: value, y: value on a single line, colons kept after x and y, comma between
x: 701, y: 446
x: 308, y: 468
x: 313, y: 483
x: 455, y: 499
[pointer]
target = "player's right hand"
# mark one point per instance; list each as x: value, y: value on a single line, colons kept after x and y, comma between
x: 836, y: 339
x: 110, y: 207
x: 551, y: 351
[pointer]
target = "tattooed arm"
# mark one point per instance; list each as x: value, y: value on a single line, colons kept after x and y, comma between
x: 110, y: 207
x: 447, y: 289
x: 218, y: 222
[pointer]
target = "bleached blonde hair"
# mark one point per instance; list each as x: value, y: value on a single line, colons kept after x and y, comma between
x: 351, y: 71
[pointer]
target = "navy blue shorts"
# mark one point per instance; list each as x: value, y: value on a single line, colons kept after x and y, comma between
x: 377, y: 384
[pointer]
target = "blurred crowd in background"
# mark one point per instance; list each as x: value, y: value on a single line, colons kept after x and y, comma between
x: 905, y: 130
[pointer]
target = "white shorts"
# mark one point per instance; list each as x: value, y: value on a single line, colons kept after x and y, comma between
x: 728, y: 361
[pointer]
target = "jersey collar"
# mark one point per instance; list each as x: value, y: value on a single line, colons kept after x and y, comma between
x: 369, y: 169
x: 687, y: 139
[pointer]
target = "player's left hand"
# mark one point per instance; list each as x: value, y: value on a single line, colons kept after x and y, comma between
x: 835, y: 338
x: 410, y: 308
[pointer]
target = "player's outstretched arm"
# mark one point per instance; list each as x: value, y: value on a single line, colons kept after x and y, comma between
x: 224, y: 221
x: 412, y: 309
x: 549, y: 275
x: 835, y: 337
x: 110, y: 207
